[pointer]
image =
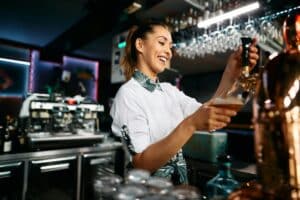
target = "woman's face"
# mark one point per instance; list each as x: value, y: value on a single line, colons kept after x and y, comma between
x: 154, y: 52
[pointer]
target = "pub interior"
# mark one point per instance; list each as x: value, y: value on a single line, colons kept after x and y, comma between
x: 60, y: 70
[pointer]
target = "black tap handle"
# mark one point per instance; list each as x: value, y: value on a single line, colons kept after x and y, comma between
x: 246, y: 42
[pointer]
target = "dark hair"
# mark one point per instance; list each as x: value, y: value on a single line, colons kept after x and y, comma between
x: 129, y: 59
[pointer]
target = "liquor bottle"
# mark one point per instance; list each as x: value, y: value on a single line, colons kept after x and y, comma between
x: 7, y: 142
x: 206, y: 13
x: 190, y: 17
x: 220, y: 186
x: 22, y: 130
x: 13, y: 133
x: 276, y: 117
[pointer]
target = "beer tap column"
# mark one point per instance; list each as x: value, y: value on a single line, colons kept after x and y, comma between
x: 277, y: 119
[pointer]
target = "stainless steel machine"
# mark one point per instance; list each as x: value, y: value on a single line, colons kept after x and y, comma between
x: 64, y: 122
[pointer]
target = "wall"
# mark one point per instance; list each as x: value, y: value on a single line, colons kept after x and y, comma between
x: 16, y: 75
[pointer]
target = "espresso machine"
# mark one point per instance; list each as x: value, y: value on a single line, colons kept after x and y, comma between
x: 60, y: 123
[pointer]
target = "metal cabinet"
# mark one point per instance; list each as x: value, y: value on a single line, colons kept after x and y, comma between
x: 11, y: 180
x: 63, y: 174
x: 54, y: 178
x: 95, y: 165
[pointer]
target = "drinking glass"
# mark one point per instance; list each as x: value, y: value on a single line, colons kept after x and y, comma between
x: 105, y: 187
x: 243, y: 88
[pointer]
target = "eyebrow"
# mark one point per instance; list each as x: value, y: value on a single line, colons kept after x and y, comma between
x: 166, y: 39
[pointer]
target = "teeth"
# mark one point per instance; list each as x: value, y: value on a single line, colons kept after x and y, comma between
x: 163, y: 59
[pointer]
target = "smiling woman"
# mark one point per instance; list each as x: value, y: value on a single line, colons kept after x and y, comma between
x: 155, y: 47
x: 156, y: 119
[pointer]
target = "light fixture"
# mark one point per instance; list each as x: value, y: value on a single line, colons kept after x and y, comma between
x: 20, y: 62
x: 228, y: 15
x: 122, y: 44
x: 133, y: 7
x: 196, y: 4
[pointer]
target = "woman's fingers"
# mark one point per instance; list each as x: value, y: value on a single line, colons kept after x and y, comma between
x: 211, y: 118
x: 219, y: 118
x: 253, y: 53
x: 215, y: 125
x: 225, y: 111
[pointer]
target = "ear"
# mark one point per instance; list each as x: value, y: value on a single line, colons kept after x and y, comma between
x: 139, y: 45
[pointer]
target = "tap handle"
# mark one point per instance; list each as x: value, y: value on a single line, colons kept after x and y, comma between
x: 246, y: 42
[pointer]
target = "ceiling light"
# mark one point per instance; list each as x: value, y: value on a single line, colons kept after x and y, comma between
x: 15, y: 61
x: 196, y: 4
x: 133, y: 7
x: 228, y: 15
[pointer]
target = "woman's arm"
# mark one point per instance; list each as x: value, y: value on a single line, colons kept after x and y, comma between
x: 234, y: 68
x: 206, y: 118
x: 159, y: 153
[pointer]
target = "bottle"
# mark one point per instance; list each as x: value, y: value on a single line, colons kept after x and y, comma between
x: 7, y: 142
x: 220, y: 186
x: 206, y: 13
x: 190, y: 17
x: 23, y: 126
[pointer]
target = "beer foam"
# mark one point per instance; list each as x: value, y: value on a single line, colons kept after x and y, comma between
x: 227, y: 101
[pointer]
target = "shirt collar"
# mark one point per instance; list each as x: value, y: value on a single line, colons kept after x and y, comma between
x: 146, y: 82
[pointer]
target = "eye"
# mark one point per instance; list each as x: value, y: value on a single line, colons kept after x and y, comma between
x: 161, y: 43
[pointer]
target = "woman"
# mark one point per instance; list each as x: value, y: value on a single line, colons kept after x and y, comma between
x: 156, y: 119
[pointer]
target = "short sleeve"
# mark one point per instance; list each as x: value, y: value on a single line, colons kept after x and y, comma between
x: 187, y: 104
x: 127, y: 111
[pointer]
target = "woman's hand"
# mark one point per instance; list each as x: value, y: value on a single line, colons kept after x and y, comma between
x: 234, y: 64
x: 211, y: 118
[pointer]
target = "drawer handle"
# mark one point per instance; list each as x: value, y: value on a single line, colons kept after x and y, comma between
x: 99, y: 161
x: 53, y: 160
x: 5, y: 174
x: 105, y: 154
x: 57, y: 167
x: 11, y: 165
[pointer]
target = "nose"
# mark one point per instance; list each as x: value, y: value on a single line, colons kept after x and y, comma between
x: 169, y: 52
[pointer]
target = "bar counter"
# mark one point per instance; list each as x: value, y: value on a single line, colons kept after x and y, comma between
x: 58, y: 152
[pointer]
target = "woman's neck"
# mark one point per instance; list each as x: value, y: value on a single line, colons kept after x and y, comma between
x: 149, y: 73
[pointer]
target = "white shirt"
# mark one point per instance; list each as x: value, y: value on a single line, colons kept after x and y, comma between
x: 149, y: 115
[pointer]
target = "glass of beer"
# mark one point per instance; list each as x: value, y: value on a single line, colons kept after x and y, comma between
x: 228, y: 102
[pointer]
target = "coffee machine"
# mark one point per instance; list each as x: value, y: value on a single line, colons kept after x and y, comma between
x: 61, y: 122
